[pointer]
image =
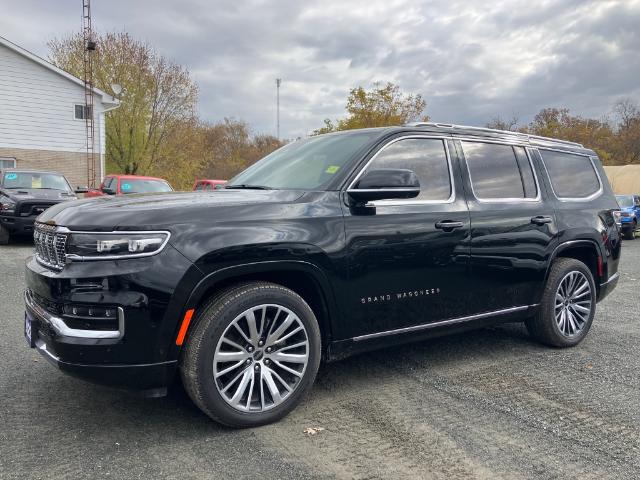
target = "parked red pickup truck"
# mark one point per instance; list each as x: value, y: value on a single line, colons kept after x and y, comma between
x: 125, y: 184
x: 207, y: 184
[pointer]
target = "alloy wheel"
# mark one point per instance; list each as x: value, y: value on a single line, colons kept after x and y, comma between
x: 261, y: 358
x: 574, y: 301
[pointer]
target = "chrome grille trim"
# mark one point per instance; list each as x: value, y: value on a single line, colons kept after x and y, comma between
x: 50, y: 245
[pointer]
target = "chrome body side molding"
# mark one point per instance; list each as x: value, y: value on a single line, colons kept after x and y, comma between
x: 451, y: 321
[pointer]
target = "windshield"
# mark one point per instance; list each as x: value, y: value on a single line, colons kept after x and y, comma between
x: 307, y: 164
x: 625, y: 201
x: 141, y: 185
x: 35, y: 180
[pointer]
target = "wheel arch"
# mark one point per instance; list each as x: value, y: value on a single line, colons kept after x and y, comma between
x: 305, y: 278
x: 587, y: 251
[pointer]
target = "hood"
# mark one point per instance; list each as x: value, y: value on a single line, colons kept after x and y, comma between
x: 158, y: 210
x: 22, y: 194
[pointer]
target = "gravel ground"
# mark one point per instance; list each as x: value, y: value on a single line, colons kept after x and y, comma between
x: 487, y: 404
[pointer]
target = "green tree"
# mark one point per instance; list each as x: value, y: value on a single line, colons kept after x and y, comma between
x: 382, y: 106
x: 158, y: 98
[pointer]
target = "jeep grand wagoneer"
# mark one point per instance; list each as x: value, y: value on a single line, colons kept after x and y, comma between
x: 329, y: 246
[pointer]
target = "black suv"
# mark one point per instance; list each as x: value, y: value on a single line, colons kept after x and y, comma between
x: 331, y: 245
x: 25, y: 194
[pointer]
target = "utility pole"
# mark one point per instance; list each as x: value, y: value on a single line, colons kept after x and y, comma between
x: 278, y: 82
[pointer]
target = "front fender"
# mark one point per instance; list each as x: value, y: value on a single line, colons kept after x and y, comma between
x: 255, y: 269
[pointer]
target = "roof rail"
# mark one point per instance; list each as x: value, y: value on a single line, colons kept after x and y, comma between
x: 493, y: 130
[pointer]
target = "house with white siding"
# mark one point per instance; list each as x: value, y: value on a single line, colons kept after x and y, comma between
x: 42, y: 123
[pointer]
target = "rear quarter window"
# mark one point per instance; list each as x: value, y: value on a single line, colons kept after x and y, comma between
x: 572, y: 176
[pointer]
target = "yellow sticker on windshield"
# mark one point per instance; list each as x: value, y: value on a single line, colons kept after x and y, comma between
x: 332, y: 169
x: 36, y: 182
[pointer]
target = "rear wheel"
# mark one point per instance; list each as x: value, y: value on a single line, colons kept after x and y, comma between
x: 253, y: 353
x: 568, y: 305
x: 4, y: 236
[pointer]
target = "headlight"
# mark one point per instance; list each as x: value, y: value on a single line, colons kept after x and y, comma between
x: 114, y: 245
x: 7, y: 205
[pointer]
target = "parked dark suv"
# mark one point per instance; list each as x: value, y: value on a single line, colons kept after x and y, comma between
x: 329, y: 246
x: 25, y: 194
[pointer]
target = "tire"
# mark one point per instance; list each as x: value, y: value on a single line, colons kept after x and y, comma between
x: 553, y: 323
x: 4, y: 236
x: 630, y: 233
x: 245, y: 395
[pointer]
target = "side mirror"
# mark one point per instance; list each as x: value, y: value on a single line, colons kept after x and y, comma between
x: 108, y: 191
x: 81, y: 190
x: 385, y: 183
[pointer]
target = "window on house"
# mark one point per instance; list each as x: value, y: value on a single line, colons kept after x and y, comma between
x: 7, y: 162
x: 82, y: 111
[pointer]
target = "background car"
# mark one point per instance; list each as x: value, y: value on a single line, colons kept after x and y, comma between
x: 126, y: 184
x: 25, y: 194
x: 207, y: 184
x: 629, y: 213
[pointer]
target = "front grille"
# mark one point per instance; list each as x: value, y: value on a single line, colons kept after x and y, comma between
x: 28, y: 209
x: 51, y: 245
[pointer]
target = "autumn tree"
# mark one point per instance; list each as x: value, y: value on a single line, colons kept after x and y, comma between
x: 382, y: 106
x: 627, y: 113
x: 559, y: 123
x: 158, y: 99
x: 230, y: 147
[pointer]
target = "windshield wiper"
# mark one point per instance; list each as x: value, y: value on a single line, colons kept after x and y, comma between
x: 248, y: 187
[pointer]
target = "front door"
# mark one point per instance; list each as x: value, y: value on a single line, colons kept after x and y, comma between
x: 408, y: 259
x: 513, y: 226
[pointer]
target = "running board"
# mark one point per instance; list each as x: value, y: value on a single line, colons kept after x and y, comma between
x: 452, y: 321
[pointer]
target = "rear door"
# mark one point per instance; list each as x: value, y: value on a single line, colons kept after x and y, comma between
x: 408, y: 259
x: 513, y: 225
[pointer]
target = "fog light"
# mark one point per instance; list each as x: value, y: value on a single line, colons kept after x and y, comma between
x: 83, y: 311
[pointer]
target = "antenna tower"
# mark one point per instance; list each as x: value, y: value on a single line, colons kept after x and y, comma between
x: 89, y: 49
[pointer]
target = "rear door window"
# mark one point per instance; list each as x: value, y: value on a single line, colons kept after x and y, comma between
x: 572, y: 176
x: 499, y: 172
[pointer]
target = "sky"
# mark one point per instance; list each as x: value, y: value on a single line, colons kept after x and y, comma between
x: 470, y: 60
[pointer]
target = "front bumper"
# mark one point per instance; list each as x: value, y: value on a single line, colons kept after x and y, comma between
x: 135, y: 351
x: 151, y: 376
x: 18, y: 225
x: 627, y: 225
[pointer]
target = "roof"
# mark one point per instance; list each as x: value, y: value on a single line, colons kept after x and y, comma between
x: 27, y: 170
x: 467, y: 131
x: 493, y: 133
x: 105, y: 98
x: 141, y: 177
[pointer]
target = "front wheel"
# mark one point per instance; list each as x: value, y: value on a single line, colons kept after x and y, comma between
x: 253, y: 353
x: 630, y: 234
x: 568, y: 305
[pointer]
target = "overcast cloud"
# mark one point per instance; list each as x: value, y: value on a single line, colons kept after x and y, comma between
x: 471, y: 60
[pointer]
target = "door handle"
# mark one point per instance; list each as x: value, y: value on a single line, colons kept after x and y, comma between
x: 541, y: 219
x: 448, y: 225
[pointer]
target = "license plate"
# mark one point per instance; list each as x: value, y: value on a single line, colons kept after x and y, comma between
x: 29, y: 330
